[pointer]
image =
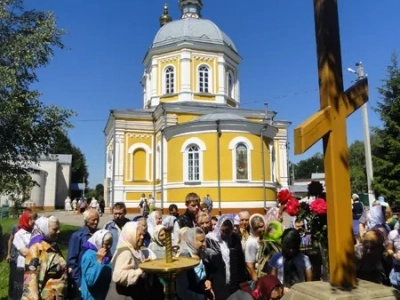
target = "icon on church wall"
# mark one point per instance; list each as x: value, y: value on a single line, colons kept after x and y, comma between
x: 241, y: 162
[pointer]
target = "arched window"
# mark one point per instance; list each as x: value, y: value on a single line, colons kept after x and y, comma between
x: 169, y: 80
x: 192, y: 158
x: 230, y: 85
x: 204, y: 79
x: 242, y: 167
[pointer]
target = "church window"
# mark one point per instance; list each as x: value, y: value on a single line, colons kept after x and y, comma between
x: 169, y: 80
x: 193, y: 163
x: 242, y: 170
x: 230, y: 85
x: 204, y: 79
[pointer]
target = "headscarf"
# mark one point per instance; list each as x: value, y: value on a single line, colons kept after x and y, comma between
x: 169, y: 221
x: 156, y: 234
x: 271, y: 215
x: 236, y: 221
x: 267, y: 284
x: 251, y: 219
x: 274, y: 232
x: 95, y: 242
x: 215, y: 235
x: 23, y: 222
x: 40, y: 231
x: 188, y: 243
x: 128, y: 239
x: 151, y: 222
x: 376, y: 216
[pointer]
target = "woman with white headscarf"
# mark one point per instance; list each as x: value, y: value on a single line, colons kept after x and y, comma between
x: 157, y: 246
x: 154, y: 219
x: 95, y: 266
x: 225, y: 258
x: 128, y: 280
x: 193, y: 284
x: 45, y: 267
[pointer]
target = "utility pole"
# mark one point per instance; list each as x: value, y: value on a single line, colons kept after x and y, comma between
x: 367, y: 142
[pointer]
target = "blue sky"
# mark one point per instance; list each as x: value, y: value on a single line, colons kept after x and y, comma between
x: 107, y: 40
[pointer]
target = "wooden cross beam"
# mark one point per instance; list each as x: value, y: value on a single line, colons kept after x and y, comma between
x: 329, y: 123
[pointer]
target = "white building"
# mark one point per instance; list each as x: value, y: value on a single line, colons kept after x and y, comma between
x: 53, y: 176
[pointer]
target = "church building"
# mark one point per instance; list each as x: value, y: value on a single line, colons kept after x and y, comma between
x: 191, y: 134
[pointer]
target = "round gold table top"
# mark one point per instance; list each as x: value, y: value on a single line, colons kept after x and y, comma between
x: 178, y: 265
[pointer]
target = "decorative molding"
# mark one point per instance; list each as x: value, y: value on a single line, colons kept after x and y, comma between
x: 169, y: 59
x: 204, y: 58
x: 139, y: 135
x: 120, y: 138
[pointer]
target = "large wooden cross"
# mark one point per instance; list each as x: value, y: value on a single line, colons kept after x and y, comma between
x: 329, y: 124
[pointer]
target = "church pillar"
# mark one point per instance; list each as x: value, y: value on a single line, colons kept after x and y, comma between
x: 272, y: 161
x: 283, y: 171
x: 185, y: 88
x: 237, y: 88
x: 221, y: 88
x: 119, y: 167
x: 154, y: 83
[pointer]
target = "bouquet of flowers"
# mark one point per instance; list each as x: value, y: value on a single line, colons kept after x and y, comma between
x: 312, y: 212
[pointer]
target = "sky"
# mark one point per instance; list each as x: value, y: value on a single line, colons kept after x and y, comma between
x: 106, y: 41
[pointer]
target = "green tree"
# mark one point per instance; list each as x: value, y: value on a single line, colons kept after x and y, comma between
x: 358, y: 173
x: 79, y: 170
x: 386, y: 154
x: 100, y: 191
x: 27, y: 126
x: 304, y: 168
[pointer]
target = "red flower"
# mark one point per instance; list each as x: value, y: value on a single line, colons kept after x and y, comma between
x: 256, y: 294
x: 318, y: 206
x: 292, y: 207
x: 284, y: 196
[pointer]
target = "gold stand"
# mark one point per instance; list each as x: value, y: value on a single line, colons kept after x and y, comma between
x: 169, y: 267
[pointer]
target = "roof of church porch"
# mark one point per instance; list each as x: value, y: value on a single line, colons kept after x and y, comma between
x: 220, y: 122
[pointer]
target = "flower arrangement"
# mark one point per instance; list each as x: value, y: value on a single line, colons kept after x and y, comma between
x: 312, y: 212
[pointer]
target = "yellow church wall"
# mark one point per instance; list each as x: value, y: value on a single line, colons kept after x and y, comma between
x: 169, y: 98
x: 162, y: 64
x: 228, y: 194
x: 175, y: 170
x: 204, y: 97
x: 133, y: 196
x: 183, y: 118
x: 211, y: 62
x: 138, y: 159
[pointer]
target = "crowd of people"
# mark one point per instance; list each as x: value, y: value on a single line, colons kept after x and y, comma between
x: 241, y: 256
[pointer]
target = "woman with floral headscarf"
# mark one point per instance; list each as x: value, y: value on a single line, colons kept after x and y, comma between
x: 193, y: 284
x: 266, y: 288
x: 95, y: 266
x: 46, y: 270
x: 128, y: 280
x: 225, y: 258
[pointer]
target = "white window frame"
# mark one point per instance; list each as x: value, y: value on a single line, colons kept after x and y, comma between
x: 131, y: 152
x: 202, y: 73
x: 184, y: 150
x: 232, y: 146
x: 167, y: 75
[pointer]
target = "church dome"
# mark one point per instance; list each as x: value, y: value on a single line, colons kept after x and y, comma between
x: 220, y: 116
x: 192, y: 29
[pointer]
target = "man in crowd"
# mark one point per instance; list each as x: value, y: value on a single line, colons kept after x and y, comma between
x: 188, y: 219
x: 78, y: 238
x: 117, y: 223
x: 173, y: 210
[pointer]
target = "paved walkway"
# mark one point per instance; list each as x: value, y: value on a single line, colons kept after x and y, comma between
x: 77, y: 220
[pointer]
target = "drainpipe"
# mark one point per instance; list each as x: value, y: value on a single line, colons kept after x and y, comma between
x: 162, y: 158
x: 114, y: 161
x: 154, y: 155
x: 263, y: 163
x: 219, y: 167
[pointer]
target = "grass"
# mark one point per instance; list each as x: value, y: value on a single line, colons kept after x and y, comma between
x: 7, y: 224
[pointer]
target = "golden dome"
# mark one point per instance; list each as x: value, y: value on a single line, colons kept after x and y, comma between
x: 165, y: 17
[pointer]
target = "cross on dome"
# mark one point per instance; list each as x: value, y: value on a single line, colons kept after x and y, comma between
x: 191, y: 8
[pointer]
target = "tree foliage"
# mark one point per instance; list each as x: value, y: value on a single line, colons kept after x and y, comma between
x: 304, y: 168
x: 27, y: 126
x: 79, y: 170
x: 386, y: 154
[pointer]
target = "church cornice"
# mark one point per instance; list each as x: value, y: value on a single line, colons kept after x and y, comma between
x: 169, y: 59
x: 204, y: 58
x: 179, y: 45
